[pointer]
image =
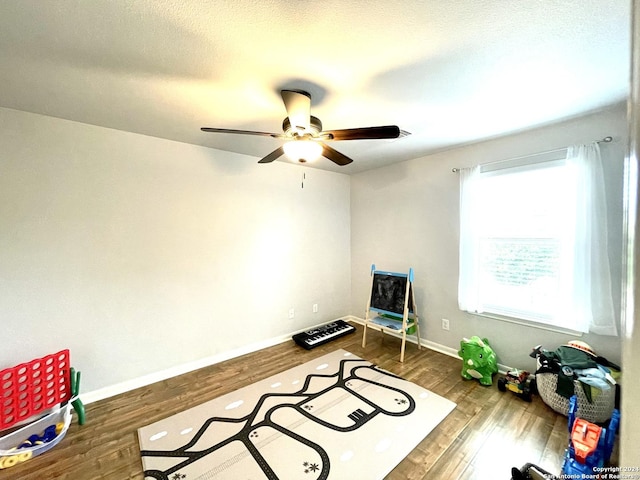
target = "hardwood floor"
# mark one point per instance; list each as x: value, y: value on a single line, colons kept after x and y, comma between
x: 488, y: 432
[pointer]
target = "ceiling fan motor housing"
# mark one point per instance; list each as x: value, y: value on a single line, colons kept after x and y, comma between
x: 315, y: 127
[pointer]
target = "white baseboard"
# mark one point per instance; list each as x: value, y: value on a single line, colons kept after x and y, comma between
x: 437, y: 347
x: 145, y: 380
x: 452, y: 352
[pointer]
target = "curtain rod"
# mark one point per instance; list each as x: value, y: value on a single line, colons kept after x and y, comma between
x: 607, y: 139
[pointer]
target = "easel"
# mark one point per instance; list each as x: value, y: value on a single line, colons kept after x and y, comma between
x: 390, y: 321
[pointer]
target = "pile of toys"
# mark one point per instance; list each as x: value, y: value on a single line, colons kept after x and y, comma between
x: 35, y: 438
x: 479, y: 361
x: 44, y: 389
x: 24, y: 451
x: 590, y: 445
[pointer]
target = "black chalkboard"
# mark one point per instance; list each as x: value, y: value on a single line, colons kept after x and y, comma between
x: 388, y: 292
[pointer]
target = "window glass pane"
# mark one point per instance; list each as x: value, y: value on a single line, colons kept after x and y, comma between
x: 526, y: 225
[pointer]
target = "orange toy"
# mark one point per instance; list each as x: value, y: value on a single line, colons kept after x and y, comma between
x: 585, y: 437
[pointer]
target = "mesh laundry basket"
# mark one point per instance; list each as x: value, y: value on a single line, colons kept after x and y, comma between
x: 598, y: 411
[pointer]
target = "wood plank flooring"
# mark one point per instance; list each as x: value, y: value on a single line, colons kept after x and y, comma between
x: 488, y: 432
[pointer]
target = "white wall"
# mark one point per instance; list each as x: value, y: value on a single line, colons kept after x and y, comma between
x: 141, y: 254
x: 406, y: 215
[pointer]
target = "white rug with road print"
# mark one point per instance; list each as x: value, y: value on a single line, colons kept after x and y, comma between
x: 336, y: 417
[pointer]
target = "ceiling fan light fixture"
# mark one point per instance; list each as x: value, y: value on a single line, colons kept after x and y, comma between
x: 302, y: 150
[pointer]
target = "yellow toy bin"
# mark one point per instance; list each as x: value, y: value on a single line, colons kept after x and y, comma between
x: 11, y: 455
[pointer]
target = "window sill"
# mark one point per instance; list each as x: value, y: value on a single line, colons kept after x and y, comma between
x: 532, y: 324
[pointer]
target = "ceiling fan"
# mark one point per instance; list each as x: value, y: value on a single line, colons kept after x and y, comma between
x: 305, y: 135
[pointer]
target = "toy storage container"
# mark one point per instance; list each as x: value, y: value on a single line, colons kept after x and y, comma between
x: 11, y: 455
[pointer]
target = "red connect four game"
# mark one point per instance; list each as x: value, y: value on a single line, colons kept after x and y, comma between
x: 30, y: 388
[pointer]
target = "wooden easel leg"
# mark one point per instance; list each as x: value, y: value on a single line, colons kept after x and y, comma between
x: 404, y: 341
x: 364, y: 335
x: 416, y: 318
x: 367, y: 311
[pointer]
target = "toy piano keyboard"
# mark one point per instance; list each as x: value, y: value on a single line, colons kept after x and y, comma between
x: 323, y: 334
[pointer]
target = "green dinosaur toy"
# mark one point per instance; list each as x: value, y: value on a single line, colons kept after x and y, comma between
x: 478, y: 360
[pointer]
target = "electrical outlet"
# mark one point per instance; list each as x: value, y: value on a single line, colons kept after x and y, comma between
x: 445, y: 324
x: 292, y: 313
x: 315, y: 308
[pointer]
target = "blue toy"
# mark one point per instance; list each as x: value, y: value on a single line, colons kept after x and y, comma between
x: 590, y: 446
x: 48, y: 435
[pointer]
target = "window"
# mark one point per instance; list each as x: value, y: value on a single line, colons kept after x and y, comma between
x: 524, y: 240
x: 527, y: 246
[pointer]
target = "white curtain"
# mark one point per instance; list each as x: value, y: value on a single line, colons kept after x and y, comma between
x: 468, y: 275
x: 587, y: 298
x: 591, y: 300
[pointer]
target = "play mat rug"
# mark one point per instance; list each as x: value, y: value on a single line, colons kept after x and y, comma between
x: 337, y: 416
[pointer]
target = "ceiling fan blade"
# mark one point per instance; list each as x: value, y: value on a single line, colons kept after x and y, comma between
x: 243, y: 132
x: 278, y: 152
x: 335, y: 156
x: 298, y: 105
x: 365, y: 133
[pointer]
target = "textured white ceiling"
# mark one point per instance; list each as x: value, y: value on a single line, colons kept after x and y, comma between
x: 448, y: 71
